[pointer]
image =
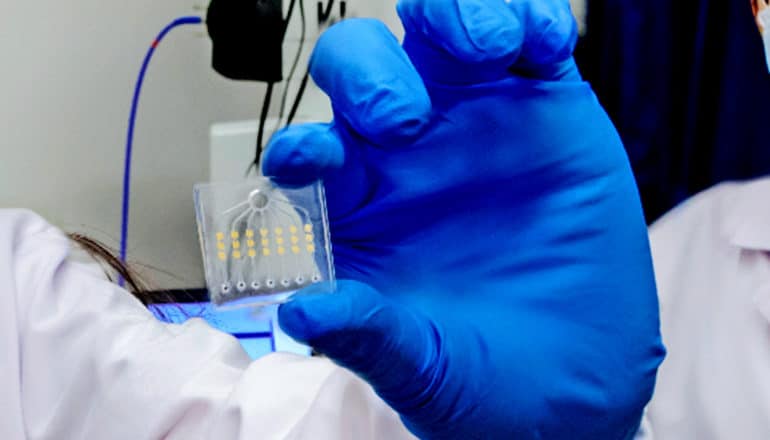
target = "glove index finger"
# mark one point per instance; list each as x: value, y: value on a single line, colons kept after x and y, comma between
x: 303, y: 153
x: 469, y: 41
x: 473, y: 31
x: 371, y: 81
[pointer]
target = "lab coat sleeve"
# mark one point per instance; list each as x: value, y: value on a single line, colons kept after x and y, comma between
x: 667, y: 243
x: 685, y: 231
x: 674, y: 239
x: 93, y: 363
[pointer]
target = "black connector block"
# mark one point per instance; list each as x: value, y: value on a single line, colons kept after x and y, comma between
x: 247, y: 36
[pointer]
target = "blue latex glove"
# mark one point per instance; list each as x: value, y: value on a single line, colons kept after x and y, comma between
x: 482, y: 203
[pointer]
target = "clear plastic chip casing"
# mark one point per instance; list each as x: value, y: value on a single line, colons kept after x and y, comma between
x: 261, y: 242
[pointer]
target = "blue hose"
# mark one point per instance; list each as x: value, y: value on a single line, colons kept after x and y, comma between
x: 132, y: 122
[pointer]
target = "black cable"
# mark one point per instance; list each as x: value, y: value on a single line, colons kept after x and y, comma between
x: 297, y: 100
x: 261, y: 130
x: 269, y: 92
x: 294, y: 65
x: 324, y: 15
x: 132, y: 125
x: 288, y: 17
x: 306, y: 77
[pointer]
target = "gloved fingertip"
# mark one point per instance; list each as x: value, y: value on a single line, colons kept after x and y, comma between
x: 302, y: 154
x: 555, y: 34
x: 379, y: 93
x: 388, y: 345
x: 472, y: 31
x: 316, y: 311
x: 471, y: 41
x: 295, y: 321
x: 493, y: 29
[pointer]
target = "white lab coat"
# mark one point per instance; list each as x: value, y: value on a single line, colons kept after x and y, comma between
x: 82, y: 359
x: 712, y: 262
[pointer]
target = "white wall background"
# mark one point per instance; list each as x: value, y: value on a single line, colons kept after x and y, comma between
x: 66, y: 83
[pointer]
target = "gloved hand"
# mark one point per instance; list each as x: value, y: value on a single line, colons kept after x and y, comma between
x: 482, y: 203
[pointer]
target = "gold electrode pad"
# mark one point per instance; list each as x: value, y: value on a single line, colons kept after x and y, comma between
x: 261, y: 242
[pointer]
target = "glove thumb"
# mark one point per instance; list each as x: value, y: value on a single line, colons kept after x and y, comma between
x: 392, y: 348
